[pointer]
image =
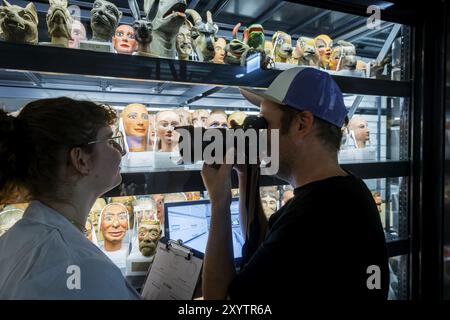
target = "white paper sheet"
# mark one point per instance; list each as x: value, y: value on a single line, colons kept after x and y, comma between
x: 172, y: 276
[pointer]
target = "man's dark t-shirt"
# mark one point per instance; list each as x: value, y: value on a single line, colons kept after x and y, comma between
x: 319, y: 246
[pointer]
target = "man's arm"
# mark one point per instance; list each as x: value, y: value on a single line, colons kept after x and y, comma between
x: 218, y: 267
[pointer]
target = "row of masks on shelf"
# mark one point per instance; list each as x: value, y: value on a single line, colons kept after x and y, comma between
x: 153, y: 34
x: 169, y: 30
x: 156, y: 132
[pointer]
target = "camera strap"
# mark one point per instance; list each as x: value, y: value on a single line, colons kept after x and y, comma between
x: 253, y: 205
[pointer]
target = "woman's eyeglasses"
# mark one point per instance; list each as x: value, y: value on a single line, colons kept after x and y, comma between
x: 116, y: 141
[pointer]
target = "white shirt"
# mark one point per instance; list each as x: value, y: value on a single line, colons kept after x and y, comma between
x: 35, y: 255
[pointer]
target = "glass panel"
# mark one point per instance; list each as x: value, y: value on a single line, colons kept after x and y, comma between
x: 398, y: 289
x: 377, y: 130
x: 391, y: 197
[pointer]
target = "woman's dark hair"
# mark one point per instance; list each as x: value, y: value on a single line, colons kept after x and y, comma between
x: 36, y: 143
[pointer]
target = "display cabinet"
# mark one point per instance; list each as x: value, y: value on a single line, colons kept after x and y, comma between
x: 382, y: 142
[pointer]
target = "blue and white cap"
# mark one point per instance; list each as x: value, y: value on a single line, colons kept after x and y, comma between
x: 305, y: 89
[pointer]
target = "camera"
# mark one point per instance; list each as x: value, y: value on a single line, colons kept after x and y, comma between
x: 249, y: 141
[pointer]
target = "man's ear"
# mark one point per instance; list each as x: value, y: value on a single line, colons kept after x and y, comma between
x: 80, y: 161
x: 304, y: 122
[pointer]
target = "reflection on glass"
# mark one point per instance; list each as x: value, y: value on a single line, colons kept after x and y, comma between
x: 398, y: 287
x: 377, y: 129
x: 390, y: 196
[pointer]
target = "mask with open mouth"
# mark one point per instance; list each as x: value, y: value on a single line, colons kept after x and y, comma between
x: 282, y: 47
x: 19, y: 24
x: 105, y: 18
x: 323, y: 44
x: 169, y: 17
x: 305, y: 53
x: 59, y: 22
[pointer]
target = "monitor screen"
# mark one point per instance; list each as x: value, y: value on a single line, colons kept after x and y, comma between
x: 189, y: 222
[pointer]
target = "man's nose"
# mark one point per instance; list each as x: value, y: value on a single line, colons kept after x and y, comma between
x: 115, y: 223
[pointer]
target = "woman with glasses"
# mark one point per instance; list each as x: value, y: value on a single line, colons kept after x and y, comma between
x: 61, y: 154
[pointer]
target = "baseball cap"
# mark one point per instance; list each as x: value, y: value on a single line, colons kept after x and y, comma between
x: 305, y: 89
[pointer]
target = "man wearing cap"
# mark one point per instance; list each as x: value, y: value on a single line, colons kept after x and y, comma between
x: 325, y: 243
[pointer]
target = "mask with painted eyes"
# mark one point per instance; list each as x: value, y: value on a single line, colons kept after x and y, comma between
x: 114, y: 222
x: 282, y: 46
x: 217, y: 120
x: 166, y: 121
x: 136, y: 125
x: 124, y: 40
x: 219, y: 49
x: 199, y: 118
x: 323, y: 45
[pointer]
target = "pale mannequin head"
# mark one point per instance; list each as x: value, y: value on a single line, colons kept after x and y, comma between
x: 166, y: 121
x: 360, y: 128
x: 78, y: 34
x: 136, y: 124
x: 185, y: 116
x: 114, y: 225
x: 124, y: 40
x: 217, y: 119
x: 199, y: 118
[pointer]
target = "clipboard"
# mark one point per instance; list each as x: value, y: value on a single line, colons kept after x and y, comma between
x: 174, y: 273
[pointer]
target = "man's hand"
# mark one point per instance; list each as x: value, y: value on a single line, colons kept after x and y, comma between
x: 218, y: 182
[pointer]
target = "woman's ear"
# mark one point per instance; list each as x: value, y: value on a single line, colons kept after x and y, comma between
x: 80, y: 161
